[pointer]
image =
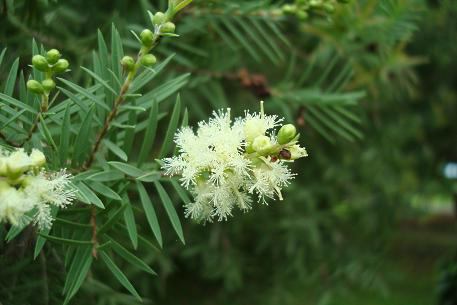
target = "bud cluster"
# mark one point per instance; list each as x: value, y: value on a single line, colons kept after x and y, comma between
x: 302, y: 8
x: 50, y: 64
x: 26, y: 188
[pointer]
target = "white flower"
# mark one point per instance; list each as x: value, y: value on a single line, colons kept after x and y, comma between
x: 25, y: 188
x: 225, y: 162
x: 13, y: 204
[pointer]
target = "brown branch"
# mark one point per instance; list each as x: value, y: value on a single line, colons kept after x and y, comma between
x: 93, y: 223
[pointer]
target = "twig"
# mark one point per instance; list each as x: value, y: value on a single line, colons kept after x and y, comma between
x: 93, y: 223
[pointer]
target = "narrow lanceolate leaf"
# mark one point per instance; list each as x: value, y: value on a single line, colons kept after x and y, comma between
x: 14, y: 102
x: 116, y: 150
x: 65, y: 137
x: 150, y: 133
x: 106, y: 176
x: 112, y: 219
x: 2, y: 55
x: 78, y: 271
x: 118, y: 274
x: 129, y: 257
x: 172, y: 126
x: 150, y: 212
x: 11, y: 79
x: 84, y: 92
x: 181, y: 191
x: 66, y: 241
x: 86, y: 192
x: 129, y: 219
x: 82, y: 144
x: 104, y: 190
x: 170, y: 209
x: 99, y: 79
x: 127, y: 169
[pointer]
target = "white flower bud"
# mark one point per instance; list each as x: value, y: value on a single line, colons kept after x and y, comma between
x: 261, y: 144
x: 253, y: 128
x: 17, y: 163
x: 37, y: 158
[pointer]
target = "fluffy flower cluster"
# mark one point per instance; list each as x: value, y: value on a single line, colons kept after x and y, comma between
x: 226, y: 163
x: 26, y: 189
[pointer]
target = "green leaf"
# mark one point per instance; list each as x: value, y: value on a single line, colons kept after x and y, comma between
x: 104, y: 190
x: 173, y: 125
x: 99, y: 79
x: 82, y: 143
x: 89, y: 194
x: 112, y: 219
x: 116, y: 52
x: 181, y: 191
x: 11, y: 78
x: 65, y: 137
x: 131, y: 258
x: 84, y: 92
x: 116, y: 150
x: 106, y: 176
x: 150, y: 134
x: 127, y: 169
x: 118, y: 274
x: 150, y: 212
x: 79, y: 268
x: 129, y: 219
x: 66, y: 241
x: 12, y: 101
x: 170, y: 209
x: 2, y: 55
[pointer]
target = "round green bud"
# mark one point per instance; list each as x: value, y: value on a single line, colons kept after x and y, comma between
x: 35, y: 87
x: 302, y: 15
x: 48, y: 84
x: 148, y: 60
x: 61, y: 66
x: 168, y: 27
x: 328, y: 8
x: 128, y: 63
x: 289, y: 8
x: 261, y: 144
x: 147, y: 37
x: 53, y: 56
x: 40, y: 63
x: 159, y: 18
x: 286, y: 134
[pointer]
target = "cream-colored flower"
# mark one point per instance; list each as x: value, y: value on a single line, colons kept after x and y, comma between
x: 224, y: 162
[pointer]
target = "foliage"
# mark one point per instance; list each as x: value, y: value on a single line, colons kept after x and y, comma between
x: 344, y: 76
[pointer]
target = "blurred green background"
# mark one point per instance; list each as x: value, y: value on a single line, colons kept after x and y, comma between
x: 370, y: 219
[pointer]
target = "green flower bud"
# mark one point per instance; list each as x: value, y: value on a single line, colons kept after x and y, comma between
x: 148, y: 60
x: 168, y: 27
x: 286, y: 134
x: 40, y: 63
x: 35, y: 87
x: 48, y: 84
x: 147, y: 37
x: 159, y: 18
x: 328, y: 8
x: 289, y: 8
x: 53, y: 56
x: 302, y: 15
x: 61, y: 66
x: 128, y: 63
x: 261, y: 144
